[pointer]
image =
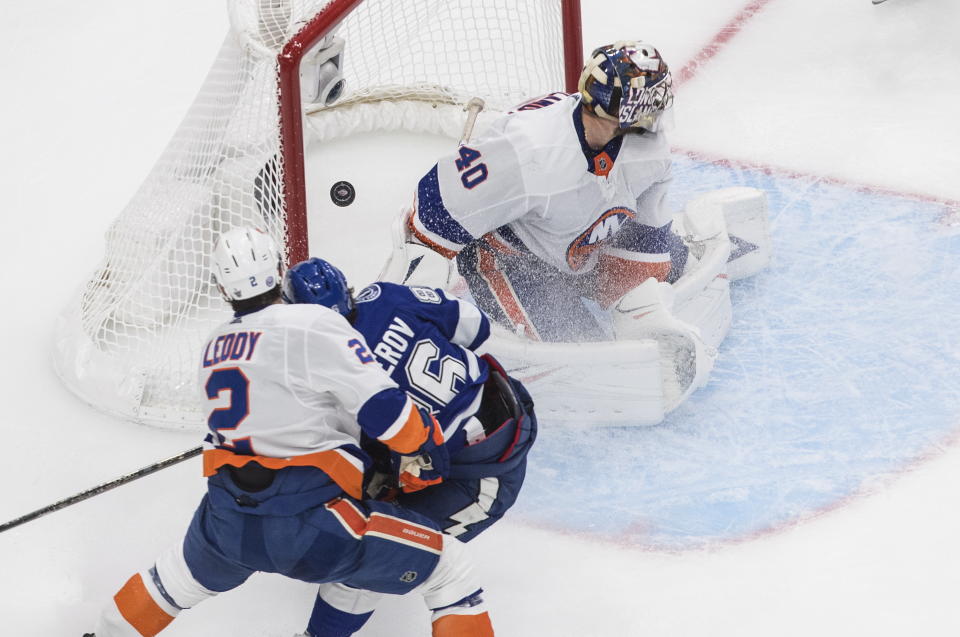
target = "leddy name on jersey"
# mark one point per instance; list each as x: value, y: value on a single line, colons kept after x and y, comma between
x: 234, y: 347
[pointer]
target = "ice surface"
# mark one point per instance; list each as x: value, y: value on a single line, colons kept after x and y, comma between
x: 836, y: 374
x: 834, y: 402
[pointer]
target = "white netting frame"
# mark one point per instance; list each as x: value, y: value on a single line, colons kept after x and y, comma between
x: 129, y: 341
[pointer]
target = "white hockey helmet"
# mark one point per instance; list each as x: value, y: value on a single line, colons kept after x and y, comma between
x: 246, y: 263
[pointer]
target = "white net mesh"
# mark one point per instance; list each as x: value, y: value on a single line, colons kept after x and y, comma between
x: 130, y: 341
x: 501, y: 50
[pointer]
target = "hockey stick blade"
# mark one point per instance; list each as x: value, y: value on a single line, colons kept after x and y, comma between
x: 102, y: 488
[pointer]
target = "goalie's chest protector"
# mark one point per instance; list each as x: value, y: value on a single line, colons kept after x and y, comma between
x: 539, y: 178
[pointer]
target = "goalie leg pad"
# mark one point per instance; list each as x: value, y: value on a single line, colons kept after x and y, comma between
x: 743, y: 214
x: 646, y: 312
x: 702, y: 293
x: 710, y: 311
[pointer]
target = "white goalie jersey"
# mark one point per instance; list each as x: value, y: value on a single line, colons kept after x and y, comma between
x: 525, y: 187
x: 533, y: 183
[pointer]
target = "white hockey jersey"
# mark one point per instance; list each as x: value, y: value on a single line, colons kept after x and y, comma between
x: 532, y: 182
x: 293, y: 385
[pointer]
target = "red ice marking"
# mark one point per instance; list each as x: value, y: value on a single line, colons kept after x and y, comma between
x: 723, y: 36
x: 530, y: 379
x: 950, y: 217
x: 631, y: 538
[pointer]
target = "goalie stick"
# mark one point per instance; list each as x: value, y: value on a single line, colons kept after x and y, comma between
x: 473, y: 108
x: 409, y: 258
x: 97, y: 490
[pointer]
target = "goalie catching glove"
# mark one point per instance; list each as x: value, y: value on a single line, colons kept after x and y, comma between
x: 412, y: 263
x: 428, y: 466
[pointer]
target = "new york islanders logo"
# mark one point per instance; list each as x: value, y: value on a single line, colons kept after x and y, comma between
x: 599, y: 231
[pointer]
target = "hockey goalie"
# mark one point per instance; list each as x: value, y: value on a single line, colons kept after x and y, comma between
x: 554, y: 221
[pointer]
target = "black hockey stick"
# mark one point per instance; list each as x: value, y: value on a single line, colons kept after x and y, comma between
x: 97, y: 490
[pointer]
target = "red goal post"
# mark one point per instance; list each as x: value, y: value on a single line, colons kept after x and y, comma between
x: 129, y: 341
x: 291, y: 112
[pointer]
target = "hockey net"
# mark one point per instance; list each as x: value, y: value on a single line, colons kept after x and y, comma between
x: 130, y: 340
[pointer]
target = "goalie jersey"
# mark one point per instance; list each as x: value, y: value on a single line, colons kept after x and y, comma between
x: 294, y: 385
x: 531, y: 183
x: 426, y: 340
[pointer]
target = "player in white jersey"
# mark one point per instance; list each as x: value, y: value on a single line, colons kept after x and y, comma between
x: 561, y: 200
x: 289, y: 389
x: 427, y: 342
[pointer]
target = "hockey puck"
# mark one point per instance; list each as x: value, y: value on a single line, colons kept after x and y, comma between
x: 343, y: 193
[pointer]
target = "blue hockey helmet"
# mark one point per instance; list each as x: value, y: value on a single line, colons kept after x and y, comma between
x: 318, y: 281
x: 627, y: 82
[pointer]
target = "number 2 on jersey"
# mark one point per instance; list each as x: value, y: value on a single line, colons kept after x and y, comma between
x: 474, y: 174
x: 228, y: 418
x: 360, y: 350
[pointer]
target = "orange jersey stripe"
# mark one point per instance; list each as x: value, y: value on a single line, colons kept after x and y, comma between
x: 406, y: 532
x: 331, y: 462
x: 503, y: 293
x: 138, y: 608
x: 384, y: 526
x: 436, y: 247
x: 463, y: 626
x: 350, y: 516
x: 498, y: 245
x: 412, y: 434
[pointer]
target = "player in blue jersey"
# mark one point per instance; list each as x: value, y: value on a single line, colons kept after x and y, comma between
x: 427, y: 342
x: 289, y: 390
x: 561, y: 200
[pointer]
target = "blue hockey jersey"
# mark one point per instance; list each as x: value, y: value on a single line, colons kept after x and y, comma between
x: 426, y: 340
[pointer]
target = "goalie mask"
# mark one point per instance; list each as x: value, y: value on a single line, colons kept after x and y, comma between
x: 628, y: 82
x: 318, y: 281
x: 245, y: 263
